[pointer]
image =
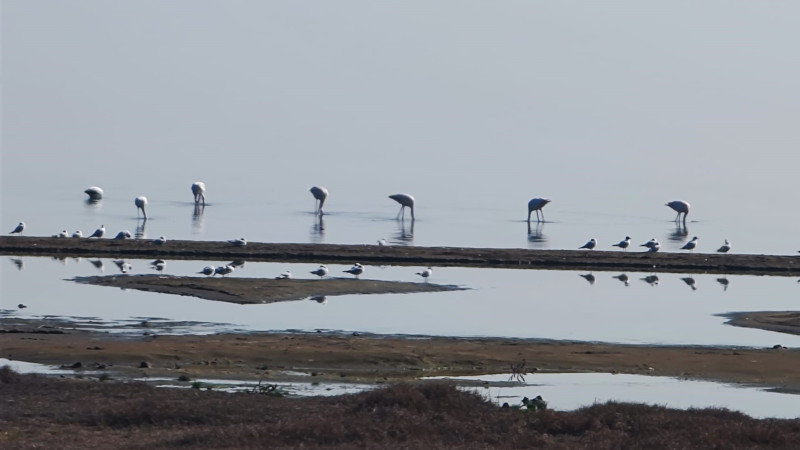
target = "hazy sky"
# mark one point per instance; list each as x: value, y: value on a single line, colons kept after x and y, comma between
x: 557, y: 98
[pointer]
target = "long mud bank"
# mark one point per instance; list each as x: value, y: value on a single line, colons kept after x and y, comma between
x: 401, y: 255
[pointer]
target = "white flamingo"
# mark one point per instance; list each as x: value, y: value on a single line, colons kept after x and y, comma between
x: 681, y: 207
x: 320, y: 194
x: 536, y: 204
x: 140, y: 203
x: 199, y: 192
x: 405, y: 200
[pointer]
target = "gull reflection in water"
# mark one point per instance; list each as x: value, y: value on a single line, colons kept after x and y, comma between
x: 652, y: 280
x: 588, y: 277
x: 535, y: 235
x: 690, y: 282
x: 197, y: 218
x: 321, y: 299
x: 17, y: 262
x: 317, y: 233
x: 98, y: 264
x: 724, y: 282
x: 623, y: 278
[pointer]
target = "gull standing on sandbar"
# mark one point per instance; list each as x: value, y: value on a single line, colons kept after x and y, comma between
x: 590, y: 245
x: 18, y: 229
x: 320, y: 272
x: 652, y: 245
x: 426, y: 273
x: 238, y: 242
x: 623, y: 244
x: 356, y: 270
x: 98, y: 233
x: 726, y: 247
x: 690, y: 245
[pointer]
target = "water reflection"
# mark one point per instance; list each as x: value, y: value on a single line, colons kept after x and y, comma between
x: 623, y: 278
x: 98, y: 264
x: 588, y: 277
x: 679, y: 233
x: 724, y: 282
x: 690, y: 282
x: 17, y: 262
x: 318, y: 229
x: 197, y: 218
x: 535, y: 235
x: 93, y: 204
x: 321, y: 299
x: 405, y: 233
x: 652, y: 280
x: 140, y: 229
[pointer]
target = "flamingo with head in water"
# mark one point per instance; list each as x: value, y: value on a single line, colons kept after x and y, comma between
x: 406, y: 201
x: 320, y: 194
x: 140, y: 203
x: 681, y: 207
x: 536, y: 204
x: 199, y: 191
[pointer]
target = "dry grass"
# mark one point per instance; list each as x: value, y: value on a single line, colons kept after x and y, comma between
x: 63, y: 413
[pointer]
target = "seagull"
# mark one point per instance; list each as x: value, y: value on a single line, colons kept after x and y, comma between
x: 124, y: 234
x: 623, y: 244
x: 725, y: 247
x: 98, y: 233
x: 18, y: 229
x: 536, y: 204
x: 652, y: 245
x: 63, y: 234
x: 160, y: 241
x: 223, y: 270
x: 426, y: 273
x: 356, y: 270
x: 238, y: 242
x: 285, y: 275
x: 690, y: 245
x: 95, y: 193
x: 321, y: 271
x: 623, y: 277
x: 681, y: 207
x: 140, y: 203
x: 207, y: 270
x: 381, y: 242
x: 158, y: 264
x: 320, y: 194
x: 199, y: 191
x: 405, y: 200
x: 590, y: 245
x: 77, y: 234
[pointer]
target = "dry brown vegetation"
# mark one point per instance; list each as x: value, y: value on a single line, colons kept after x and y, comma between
x: 46, y: 412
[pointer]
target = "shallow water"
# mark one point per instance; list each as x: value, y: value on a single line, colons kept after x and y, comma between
x: 498, y: 302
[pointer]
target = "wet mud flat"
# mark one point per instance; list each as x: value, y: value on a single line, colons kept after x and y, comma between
x: 778, y: 321
x: 260, y: 290
x: 401, y: 255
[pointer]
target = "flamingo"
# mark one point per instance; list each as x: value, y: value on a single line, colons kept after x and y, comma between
x: 426, y: 273
x: 405, y: 200
x: 623, y: 244
x: 95, y: 193
x: 18, y: 229
x: 681, y: 207
x: 320, y: 194
x: 356, y: 270
x: 536, y: 204
x: 140, y: 203
x: 98, y: 233
x: 725, y: 247
x: 690, y: 245
x: 199, y: 191
x: 591, y: 244
x: 321, y: 271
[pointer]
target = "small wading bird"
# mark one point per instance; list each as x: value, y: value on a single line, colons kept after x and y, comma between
x: 405, y: 200
x: 623, y: 244
x: 98, y: 233
x: 426, y: 273
x: 95, y: 193
x: 321, y: 271
x: 160, y: 241
x: 356, y: 270
x: 536, y: 204
x: 199, y: 192
x: 140, y: 203
x: 18, y: 229
x: 238, y: 242
x: 652, y: 245
x: 681, y: 207
x: 591, y: 244
x: 285, y: 275
x: 207, y: 270
x: 725, y: 247
x: 320, y: 194
x: 690, y: 245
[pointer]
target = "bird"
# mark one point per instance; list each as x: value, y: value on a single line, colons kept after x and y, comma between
x: 356, y: 270
x: 590, y: 245
x: 223, y: 270
x: 98, y: 233
x: 681, y: 207
x: 199, y: 191
x: 18, y: 229
x: 405, y: 200
x: 123, y: 265
x: 320, y: 194
x: 160, y: 241
x: 381, y: 242
x: 77, y: 234
x: 653, y: 245
x: 285, y: 275
x: 536, y: 204
x: 21, y: 306
x: 63, y: 234
x: 624, y: 278
x: 207, y: 270
x: 140, y: 203
x: 321, y: 271
x: 690, y: 245
x: 238, y: 242
x: 725, y: 247
x: 124, y: 234
x: 426, y: 273
x: 623, y: 244
x: 158, y: 264
x: 95, y: 193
